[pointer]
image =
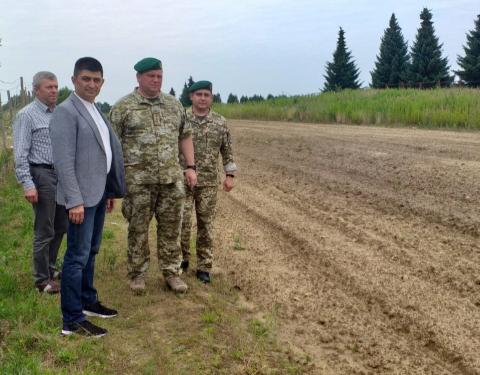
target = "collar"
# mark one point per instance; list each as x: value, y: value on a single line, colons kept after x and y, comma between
x: 42, y: 106
x: 141, y: 99
x: 86, y: 103
x: 198, y: 119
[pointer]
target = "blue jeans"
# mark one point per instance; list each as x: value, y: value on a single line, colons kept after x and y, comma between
x: 83, y: 244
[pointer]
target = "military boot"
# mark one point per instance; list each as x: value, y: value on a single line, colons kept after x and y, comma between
x: 203, y: 276
x: 176, y: 284
x: 137, y: 285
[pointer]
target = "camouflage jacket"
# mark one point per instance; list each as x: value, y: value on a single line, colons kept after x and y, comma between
x: 149, y: 131
x: 211, y: 137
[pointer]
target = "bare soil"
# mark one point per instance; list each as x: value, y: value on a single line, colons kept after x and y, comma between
x: 364, y: 241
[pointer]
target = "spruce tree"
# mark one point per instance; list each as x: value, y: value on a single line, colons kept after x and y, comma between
x: 341, y: 73
x: 391, y: 67
x: 232, y: 99
x: 185, y: 97
x: 172, y: 92
x: 428, y: 68
x: 470, y: 63
x: 217, y: 98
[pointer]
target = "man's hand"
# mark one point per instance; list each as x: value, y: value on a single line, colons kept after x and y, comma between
x: 110, y: 204
x: 31, y: 195
x: 76, y: 214
x: 228, y: 183
x: 191, y: 177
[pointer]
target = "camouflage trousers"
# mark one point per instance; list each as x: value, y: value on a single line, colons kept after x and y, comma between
x: 204, y: 199
x: 165, y: 201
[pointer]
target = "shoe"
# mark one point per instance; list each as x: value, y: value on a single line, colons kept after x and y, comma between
x: 84, y: 328
x: 137, y: 285
x: 97, y: 309
x: 57, y: 275
x: 50, y: 287
x: 176, y: 284
x: 184, y: 265
x: 203, y: 276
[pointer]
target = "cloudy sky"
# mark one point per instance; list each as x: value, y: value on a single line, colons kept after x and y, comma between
x: 246, y: 47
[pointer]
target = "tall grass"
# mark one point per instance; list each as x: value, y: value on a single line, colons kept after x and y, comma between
x: 444, y: 108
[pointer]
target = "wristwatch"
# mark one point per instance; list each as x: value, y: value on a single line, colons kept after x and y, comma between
x: 194, y: 167
x: 230, y: 175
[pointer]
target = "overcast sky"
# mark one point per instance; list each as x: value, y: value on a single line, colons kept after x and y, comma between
x: 244, y: 46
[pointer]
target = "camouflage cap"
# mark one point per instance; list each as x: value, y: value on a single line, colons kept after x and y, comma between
x: 146, y: 64
x: 199, y: 85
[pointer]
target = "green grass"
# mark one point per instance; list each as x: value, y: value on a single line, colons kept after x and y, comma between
x: 30, y: 322
x: 457, y: 108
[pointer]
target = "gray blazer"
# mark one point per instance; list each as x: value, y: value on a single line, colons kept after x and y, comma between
x: 79, y: 157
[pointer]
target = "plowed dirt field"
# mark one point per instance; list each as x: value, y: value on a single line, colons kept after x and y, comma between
x: 364, y: 241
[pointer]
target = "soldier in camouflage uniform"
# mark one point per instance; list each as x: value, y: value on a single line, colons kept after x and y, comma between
x: 151, y: 127
x: 211, y: 137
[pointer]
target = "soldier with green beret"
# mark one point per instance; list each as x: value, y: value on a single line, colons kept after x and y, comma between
x: 152, y: 129
x: 211, y: 138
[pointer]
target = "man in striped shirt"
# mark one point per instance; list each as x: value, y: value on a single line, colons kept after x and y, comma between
x: 34, y: 170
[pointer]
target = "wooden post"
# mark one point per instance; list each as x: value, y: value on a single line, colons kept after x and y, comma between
x: 23, y: 99
x: 2, y: 127
x: 10, y: 105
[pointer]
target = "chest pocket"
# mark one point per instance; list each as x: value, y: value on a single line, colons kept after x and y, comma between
x: 139, y: 121
x: 166, y: 119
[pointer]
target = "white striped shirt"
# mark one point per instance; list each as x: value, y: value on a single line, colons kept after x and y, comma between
x: 31, y: 140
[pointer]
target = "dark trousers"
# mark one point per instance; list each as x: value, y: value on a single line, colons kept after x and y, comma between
x: 83, y: 244
x: 49, y: 226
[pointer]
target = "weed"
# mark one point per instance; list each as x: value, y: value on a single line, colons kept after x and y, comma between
x: 237, y: 243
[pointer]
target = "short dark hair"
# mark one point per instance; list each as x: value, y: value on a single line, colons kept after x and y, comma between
x: 87, y: 63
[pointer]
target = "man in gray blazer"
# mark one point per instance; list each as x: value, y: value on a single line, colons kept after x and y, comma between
x: 89, y: 163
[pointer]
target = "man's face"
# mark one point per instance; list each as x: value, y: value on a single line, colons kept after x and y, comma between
x: 47, y: 92
x: 201, y: 99
x: 88, y: 84
x: 150, y: 82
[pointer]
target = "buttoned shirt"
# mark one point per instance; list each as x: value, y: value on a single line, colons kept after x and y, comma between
x: 102, y: 129
x: 150, y: 131
x: 211, y: 138
x: 31, y: 140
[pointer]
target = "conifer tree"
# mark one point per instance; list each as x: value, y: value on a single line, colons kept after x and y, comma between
x: 341, y: 73
x: 185, y: 97
x: 391, y: 67
x: 172, y: 92
x: 232, y: 99
x: 217, y: 98
x: 470, y: 63
x: 428, y: 68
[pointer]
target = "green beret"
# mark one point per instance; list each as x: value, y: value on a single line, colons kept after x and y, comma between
x: 199, y: 85
x: 146, y: 64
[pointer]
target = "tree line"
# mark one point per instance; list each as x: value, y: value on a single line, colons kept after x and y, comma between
x: 422, y: 67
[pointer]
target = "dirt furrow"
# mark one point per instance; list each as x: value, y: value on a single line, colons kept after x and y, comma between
x: 368, y: 273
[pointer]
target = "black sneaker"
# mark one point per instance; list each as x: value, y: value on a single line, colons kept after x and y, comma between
x: 203, y: 276
x: 84, y: 328
x: 97, y: 309
x: 184, y: 265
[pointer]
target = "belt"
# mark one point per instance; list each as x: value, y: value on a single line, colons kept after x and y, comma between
x: 46, y: 166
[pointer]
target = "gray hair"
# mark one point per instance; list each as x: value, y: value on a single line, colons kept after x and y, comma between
x: 37, y: 78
